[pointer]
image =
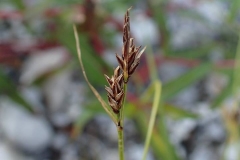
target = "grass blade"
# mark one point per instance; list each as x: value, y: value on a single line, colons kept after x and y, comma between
x: 94, y: 72
x: 103, y: 103
x: 173, y: 87
x: 160, y: 145
x: 177, y: 113
x: 8, y: 88
x: 156, y: 100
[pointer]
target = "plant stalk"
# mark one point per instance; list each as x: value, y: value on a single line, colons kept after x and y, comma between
x: 156, y: 100
x: 122, y: 108
x: 120, y: 126
x: 120, y: 143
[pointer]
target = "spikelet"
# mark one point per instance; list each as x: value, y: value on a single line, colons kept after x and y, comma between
x: 128, y: 63
x: 130, y: 53
x: 115, y: 90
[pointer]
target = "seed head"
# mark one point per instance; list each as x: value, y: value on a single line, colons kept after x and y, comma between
x: 130, y: 53
x: 128, y: 63
x: 115, y: 90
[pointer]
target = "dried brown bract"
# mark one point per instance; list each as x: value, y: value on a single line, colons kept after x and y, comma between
x: 130, y: 53
x: 115, y: 90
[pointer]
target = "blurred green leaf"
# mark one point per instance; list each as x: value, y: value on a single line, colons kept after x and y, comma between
x: 159, y: 16
x: 122, y: 5
x: 173, y: 87
x: 151, y: 63
x: 93, y: 63
x: 236, y: 71
x: 234, y: 10
x: 65, y: 3
x: 164, y: 134
x: 85, y: 116
x: 227, y: 91
x: 196, y: 16
x: 170, y: 110
x: 193, y: 53
x: 155, y: 105
x: 95, y: 107
x: 19, y: 4
x: 7, y: 87
x: 177, y: 112
x: 160, y: 142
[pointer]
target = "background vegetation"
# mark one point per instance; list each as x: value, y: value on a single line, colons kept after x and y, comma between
x: 192, y: 47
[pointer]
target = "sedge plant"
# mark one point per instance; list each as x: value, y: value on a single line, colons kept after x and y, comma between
x: 117, y: 85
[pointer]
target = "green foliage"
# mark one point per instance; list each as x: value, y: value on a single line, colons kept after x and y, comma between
x: 93, y: 64
x: 193, y: 52
x: 173, y: 87
x: 8, y: 88
x: 225, y: 38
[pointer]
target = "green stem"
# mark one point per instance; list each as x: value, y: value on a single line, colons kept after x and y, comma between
x: 122, y: 108
x: 120, y: 126
x: 156, y: 100
x: 100, y: 99
x: 120, y: 143
x: 236, y: 75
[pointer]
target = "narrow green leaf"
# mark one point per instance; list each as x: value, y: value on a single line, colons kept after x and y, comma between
x: 227, y: 91
x: 193, y: 53
x: 164, y: 134
x: 160, y: 145
x: 234, y: 10
x: 82, y: 120
x: 98, y: 96
x: 236, y: 71
x: 93, y: 63
x: 7, y: 87
x: 19, y: 4
x: 156, y: 100
x: 171, y: 88
x: 151, y: 64
x: 160, y: 141
x: 157, y: 8
x: 177, y: 113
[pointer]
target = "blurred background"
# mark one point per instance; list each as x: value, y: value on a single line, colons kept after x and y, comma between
x: 47, y: 111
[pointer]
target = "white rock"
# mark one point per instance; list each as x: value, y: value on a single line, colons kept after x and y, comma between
x: 32, y: 95
x: 203, y: 152
x: 214, y: 132
x: 232, y: 151
x: 105, y: 124
x: 181, y: 129
x: 55, y: 90
x: 8, y: 153
x: 144, y: 29
x: 63, y: 98
x: 70, y: 152
x: 216, y: 54
x: 184, y: 3
x: 110, y: 154
x: 216, y: 83
x: 170, y: 70
x: 42, y: 62
x: 187, y: 97
x: 203, y: 110
x: 110, y: 57
x: 29, y: 132
x: 187, y: 32
x: 135, y: 152
x: 214, y: 11
x: 60, y: 140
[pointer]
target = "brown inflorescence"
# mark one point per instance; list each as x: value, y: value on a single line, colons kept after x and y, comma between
x: 130, y: 53
x: 115, y: 90
x: 128, y: 63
